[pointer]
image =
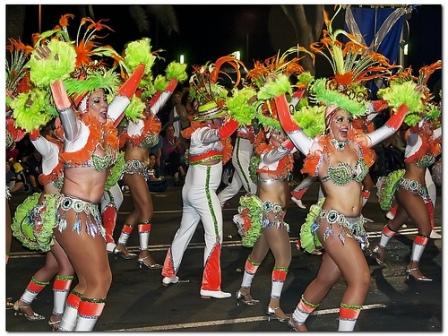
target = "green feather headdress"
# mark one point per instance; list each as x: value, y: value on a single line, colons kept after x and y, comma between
x: 100, y: 79
x: 320, y: 91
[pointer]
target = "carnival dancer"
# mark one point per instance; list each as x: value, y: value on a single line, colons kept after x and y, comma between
x: 90, y: 148
x: 242, y: 153
x: 273, y: 170
x: 35, y: 219
x: 408, y: 185
x: 341, y: 159
x: 141, y: 134
x: 261, y: 217
x: 209, y: 147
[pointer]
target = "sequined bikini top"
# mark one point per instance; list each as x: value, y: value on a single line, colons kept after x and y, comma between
x: 426, y: 161
x: 344, y: 173
x: 100, y: 163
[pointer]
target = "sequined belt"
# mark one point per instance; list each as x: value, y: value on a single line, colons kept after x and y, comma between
x: 354, y: 225
x: 273, y: 215
x: 92, y: 215
x: 414, y: 187
x: 136, y: 167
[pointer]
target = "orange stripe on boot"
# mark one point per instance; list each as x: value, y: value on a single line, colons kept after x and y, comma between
x: 421, y: 240
x: 90, y: 309
x: 73, y: 300
x: 127, y: 229
x: 211, y: 278
x: 62, y: 284
x: 302, y: 306
x: 388, y: 232
x: 144, y: 228
x: 35, y: 287
x: 279, y: 275
x: 348, y: 313
x: 250, y: 268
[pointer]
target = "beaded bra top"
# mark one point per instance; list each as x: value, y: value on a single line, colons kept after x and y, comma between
x: 104, y: 136
x: 344, y: 173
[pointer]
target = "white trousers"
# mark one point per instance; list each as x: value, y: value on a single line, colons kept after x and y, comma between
x: 241, y: 177
x: 200, y: 203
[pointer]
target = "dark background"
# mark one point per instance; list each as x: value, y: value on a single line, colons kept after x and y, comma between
x: 205, y: 32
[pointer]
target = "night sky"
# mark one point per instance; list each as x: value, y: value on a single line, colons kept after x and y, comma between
x: 209, y: 31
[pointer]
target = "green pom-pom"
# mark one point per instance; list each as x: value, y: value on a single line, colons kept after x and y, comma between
x: 239, y: 106
x: 106, y: 80
x: 135, y: 109
x: 331, y: 97
x: 305, y: 78
x: 32, y: 110
x: 311, y: 120
x: 21, y: 226
x: 115, y: 172
x: 250, y: 208
x: 253, y: 166
x: 275, y: 88
x: 388, y: 188
x: 308, y: 237
x: 406, y: 93
x: 160, y: 83
x: 177, y: 71
x: 44, y: 235
x: 138, y: 52
x: 59, y: 65
x: 412, y: 119
x: 147, y: 87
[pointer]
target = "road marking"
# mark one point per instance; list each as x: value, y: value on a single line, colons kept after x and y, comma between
x: 235, y: 321
x: 192, y: 246
x: 171, y: 211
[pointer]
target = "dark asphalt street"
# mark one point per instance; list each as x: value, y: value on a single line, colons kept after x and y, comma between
x: 137, y: 300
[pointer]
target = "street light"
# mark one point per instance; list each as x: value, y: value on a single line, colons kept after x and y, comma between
x: 182, y: 59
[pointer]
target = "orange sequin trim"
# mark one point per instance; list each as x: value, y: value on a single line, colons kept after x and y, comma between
x: 285, y: 164
x: 99, y: 134
x: 152, y: 125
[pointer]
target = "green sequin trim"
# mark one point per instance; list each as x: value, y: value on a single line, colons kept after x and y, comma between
x: 64, y: 277
x: 426, y: 161
x: 351, y: 306
x: 102, y: 163
x: 150, y: 140
x: 343, y: 173
x: 209, y: 201
x: 280, y: 268
x: 93, y: 300
x: 309, y: 304
x: 253, y: 262
x: 240, y: 166
x: 42, y: 283
x: 210, y: 158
